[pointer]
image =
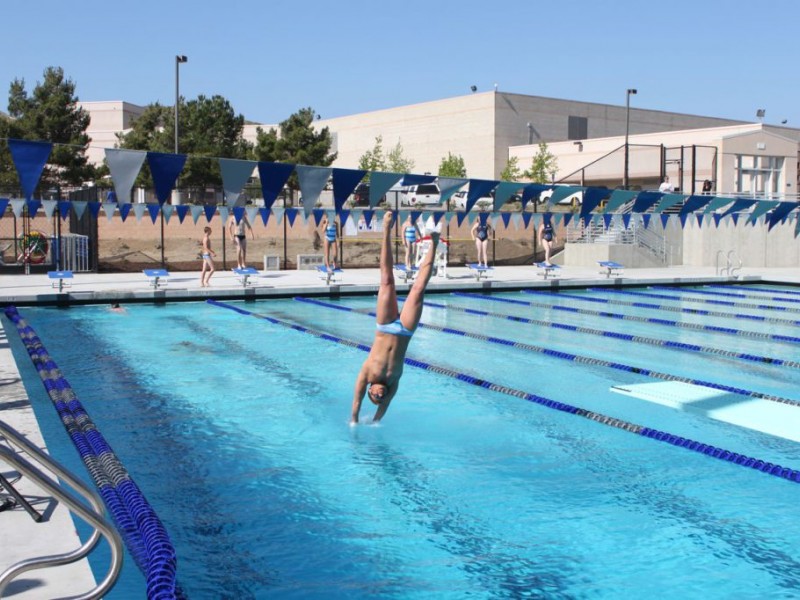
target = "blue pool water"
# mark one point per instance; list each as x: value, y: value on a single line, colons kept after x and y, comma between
x: 236, y: 430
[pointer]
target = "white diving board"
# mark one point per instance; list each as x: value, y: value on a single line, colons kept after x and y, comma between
x: 766, y: 416
x: 59, y: 279
x: 155, y: 276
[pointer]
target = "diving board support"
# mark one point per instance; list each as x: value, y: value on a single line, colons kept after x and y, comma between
x: 610, y: 268
x: 244, y: 275
x: 59, y: 278
x: 547, y: 269
x: 406, y: 273
x: 328, y: 274
x: 479, y: 271
x: 155, y: 276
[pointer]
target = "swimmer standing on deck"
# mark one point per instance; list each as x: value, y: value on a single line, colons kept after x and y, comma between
x: 380, y: 374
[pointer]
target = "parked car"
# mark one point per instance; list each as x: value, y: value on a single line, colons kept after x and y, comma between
x: 424, y: 194
x: 361, y: 195
x: 575, y: 199
x: 459, y: 202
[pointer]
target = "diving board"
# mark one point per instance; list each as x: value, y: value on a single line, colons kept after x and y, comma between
x: 155, y: 276
x: 610, y: 268
x: 766, y: 416
x: 244, y: 274
x: 328, y: 274
x: 59, y: 277
x: 479, y: 271
x: 406, y: 273
x: 547, y: 269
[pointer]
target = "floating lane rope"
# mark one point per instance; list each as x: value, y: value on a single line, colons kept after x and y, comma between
x: 662, y: 436
x: 585, y: 360
x: 684, y: 297
x: 623, y: 336
x: 761, y: 290
x: 728, y: 294
x: 691, y: 311
x: 610, y: 315
x: 144, y: 534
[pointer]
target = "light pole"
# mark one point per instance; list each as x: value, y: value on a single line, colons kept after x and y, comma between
x: 627, y: 131
x: 178, y: 60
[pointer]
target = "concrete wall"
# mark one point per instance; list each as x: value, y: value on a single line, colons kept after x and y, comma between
x: 755, y: 246
x: 106, y: 120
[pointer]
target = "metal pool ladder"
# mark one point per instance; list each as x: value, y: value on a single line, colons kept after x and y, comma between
x: 91, y: 513
x: 729, y: 269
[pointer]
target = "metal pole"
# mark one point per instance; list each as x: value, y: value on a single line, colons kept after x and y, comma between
x: 628, y: 93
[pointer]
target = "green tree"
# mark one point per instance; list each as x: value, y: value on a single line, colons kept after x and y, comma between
x: 51, y: 114
x: 452, y: 166
x: 512, y: 171
x: 543, y: 166
x: 298, y: 143
x: 396, y: 161
x: 374, y: 159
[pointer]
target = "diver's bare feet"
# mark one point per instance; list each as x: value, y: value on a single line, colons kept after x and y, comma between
x: 387, y: 219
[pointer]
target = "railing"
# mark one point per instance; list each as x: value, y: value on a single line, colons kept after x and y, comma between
x: 729, y: 269
x: 92, y: 514
x: 616, y: 233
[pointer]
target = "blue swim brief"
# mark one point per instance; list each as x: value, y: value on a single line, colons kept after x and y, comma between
x: 394, y: 328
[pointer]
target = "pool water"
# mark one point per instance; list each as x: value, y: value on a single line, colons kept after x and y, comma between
x: 236, y: 430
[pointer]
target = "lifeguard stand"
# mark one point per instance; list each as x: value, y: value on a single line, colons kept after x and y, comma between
x: 439, y: 261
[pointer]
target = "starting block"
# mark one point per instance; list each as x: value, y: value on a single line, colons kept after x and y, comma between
x: 328, y: 274
x: 244, y: 274
x: 155, y: 276
x: 611, y: 268
x: 547, y: 270
x: 479, y: 270
x: 406, y: 273
x: 60, y: 276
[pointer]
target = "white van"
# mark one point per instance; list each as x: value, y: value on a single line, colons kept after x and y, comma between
x: 424, y: 194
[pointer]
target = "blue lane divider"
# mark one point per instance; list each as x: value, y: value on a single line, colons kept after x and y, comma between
x: 610, y: 315
x: 623, y: 336
x: 654, y: 434
x: 691, y: 311
x: 762, y: 290
x: 574, y: 357
x: 728, y: 294
x: 685, y: 296
x: 144, y: 534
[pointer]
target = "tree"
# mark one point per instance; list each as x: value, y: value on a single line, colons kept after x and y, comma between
x: 396, y: 162
x: 209, y: 129
x: 51, y: 113
x: 373, y: 160
x: 298, y: 143
x: 543, y: 166
x: 512, y: 171
x: 452, y: 166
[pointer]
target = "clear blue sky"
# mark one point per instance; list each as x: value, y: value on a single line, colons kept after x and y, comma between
x: 271, y: 57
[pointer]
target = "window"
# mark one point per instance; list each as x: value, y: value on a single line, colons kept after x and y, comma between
x: 759, y: 175
x: 577, y: 128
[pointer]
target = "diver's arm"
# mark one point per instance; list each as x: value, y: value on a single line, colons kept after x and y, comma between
x: 358, y: 395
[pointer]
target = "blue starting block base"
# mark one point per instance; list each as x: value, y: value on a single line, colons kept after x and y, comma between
x: 59, y: 279
x: 406, y: 273
x: 479, y: 271
x: 328, y: 274
x: 610, y: 268
x: 547, y: 270
x: 244, y: 275
x: 155, y: 276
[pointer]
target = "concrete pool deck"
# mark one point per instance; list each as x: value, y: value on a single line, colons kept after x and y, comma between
x: 23, y: 538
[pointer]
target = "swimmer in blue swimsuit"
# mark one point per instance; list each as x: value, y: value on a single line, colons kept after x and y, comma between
x: 547, y: 236
x: 410, y: 236
x: 330, y: 241
x: 480, y: 233
x: 380, y: 374
x: 207, y: 253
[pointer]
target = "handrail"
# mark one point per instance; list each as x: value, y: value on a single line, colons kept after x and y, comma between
x: 93, y: 516
x: 731, y: 268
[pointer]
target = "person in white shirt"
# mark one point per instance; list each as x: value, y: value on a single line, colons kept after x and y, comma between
x: 666, y: 186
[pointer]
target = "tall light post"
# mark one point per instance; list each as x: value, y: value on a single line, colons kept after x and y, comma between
x: 178, y: 60
x: 627, y: 132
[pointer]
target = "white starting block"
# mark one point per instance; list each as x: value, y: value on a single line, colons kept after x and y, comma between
x: 479, y: 271
x: 406, y: 273
x: 610, y: 268
x: 328, y: 274
x: 244, y: 275
x: 155, y: 276
x: 547, y: 270
x: 60, y: 276
x: 439, y: 261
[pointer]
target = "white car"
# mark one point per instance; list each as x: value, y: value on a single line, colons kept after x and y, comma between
x: 424, y: 194
x: 459, y: 202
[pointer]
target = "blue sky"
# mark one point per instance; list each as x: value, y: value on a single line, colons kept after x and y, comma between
x: 272, y: 57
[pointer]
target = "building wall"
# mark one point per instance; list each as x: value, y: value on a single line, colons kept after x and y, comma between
x: 107, y: 118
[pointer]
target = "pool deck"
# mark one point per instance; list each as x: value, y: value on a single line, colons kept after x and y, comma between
x: 23, y: 538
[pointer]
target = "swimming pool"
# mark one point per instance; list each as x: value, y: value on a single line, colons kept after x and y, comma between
x: 236, y: 430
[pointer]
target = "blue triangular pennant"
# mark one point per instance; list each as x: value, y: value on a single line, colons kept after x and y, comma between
x: 182, y: 210
x: 410, y: 179
x: 644, y: 200
x: 124, y: 209
x: 646, y: 220
x: 344, y: 182
x: 165, y: 169
x: 291, y: 215
x: 29, y: 159
x: 33, y: 207
x: 368, y: 214
x: 235, y: 174
x: 63, y: 208
x: 379, y: 184
x: 273, y: 177
x: 592, y: 197
x: 312, y: 181
x: 152, y: 208
x: 694, y: 203
x: 94, y: 208
x: 3, y: 206
x: 124, y: 166
x: 264, y: 214
x: 526, y: 219
x: 210, y: 210
x: 506, y: 218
